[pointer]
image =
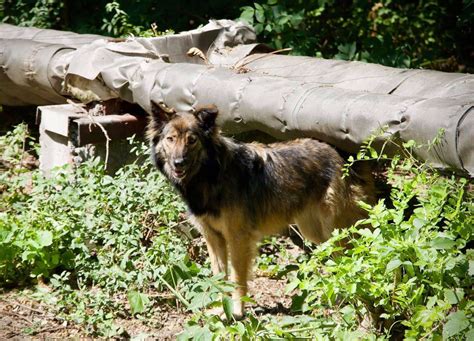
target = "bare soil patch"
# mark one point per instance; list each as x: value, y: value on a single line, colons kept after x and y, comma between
x: 24, y: 317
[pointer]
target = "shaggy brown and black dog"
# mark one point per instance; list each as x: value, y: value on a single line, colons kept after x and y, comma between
x: 236, y: 192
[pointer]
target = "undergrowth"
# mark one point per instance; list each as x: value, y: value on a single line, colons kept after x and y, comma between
x: 106, y: 248
x: 406, y: 271
x: 103, y: 245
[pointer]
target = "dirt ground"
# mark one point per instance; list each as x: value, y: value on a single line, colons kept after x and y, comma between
x: 22, y: 317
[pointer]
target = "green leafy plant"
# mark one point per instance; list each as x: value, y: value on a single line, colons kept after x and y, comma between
x: 119, y: 24
x: 406, y: 270
x: 107, y: 247
x: 13, y: 146
x: 394, y: 33
x: 407, y: 266
x: 40, y: 13
x: 83, y: 229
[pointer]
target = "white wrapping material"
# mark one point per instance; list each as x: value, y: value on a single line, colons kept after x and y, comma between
x: 285, y: 96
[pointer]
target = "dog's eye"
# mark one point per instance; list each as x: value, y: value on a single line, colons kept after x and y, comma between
x: 191, y: 140
x: 170, y: 138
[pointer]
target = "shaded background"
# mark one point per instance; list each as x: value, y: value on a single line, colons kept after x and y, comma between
x: 424, y: 33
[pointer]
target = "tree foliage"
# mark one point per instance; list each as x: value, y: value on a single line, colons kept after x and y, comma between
x: 395, y: 33
x: 87, y: 16
x: 421, y: 33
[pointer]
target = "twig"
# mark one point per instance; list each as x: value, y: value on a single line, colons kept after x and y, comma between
x: 301, y: 236
x: 195, y: 52
x: 108, y: 139
x: 20, y: 164
x: 107, y: 142
x: 11, y: 313
x: 51, y: 329
x: 165, y: 282
x: 154, y: 27
x: 25, y: 306
x: 240, y: 64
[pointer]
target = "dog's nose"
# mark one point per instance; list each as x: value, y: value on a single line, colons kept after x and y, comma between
x: 179, y: 162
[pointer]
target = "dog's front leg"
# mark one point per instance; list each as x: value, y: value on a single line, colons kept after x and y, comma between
x: 217, y: 248
x: 241, y: 250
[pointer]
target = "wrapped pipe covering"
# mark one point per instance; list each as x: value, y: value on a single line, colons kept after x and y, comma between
x: 31, y: 64
x: 31, y: 73
x: 359, y: 76
x: 285, y: 96
x: 287, y: 109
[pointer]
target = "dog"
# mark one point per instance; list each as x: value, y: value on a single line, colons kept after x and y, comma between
x: 237, y: 192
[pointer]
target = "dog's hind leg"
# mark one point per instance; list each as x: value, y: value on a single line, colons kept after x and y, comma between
x: 217, y: 248
x: 315, y: 223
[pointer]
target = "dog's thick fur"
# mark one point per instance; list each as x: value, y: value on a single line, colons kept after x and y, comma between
x: 236, y: 192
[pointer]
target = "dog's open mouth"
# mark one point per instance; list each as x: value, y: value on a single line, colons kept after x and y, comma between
x: 179, y: 173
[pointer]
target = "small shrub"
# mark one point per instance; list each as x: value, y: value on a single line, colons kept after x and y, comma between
x: 407, y: 270
x: 409, y: 265
x: 102, y: 243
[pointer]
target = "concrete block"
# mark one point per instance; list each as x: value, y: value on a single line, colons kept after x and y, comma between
x: 69, y: 137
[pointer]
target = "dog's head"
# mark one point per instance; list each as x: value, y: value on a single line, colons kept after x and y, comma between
x: 179, y: 139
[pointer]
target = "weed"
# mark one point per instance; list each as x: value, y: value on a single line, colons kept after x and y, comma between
x: 105, y: 245
x: 407, y: 271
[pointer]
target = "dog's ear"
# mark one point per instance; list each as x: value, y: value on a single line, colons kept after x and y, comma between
x: 206, y: 117
x: 160, y: 115
x: 161, y: 112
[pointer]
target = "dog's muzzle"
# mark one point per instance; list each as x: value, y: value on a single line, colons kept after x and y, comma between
x: 179, y: 168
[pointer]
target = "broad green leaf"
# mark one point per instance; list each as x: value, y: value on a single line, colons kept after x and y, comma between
x: 247, y: 299
x: 247, y: 14
x: 196, y: 333
x: 138, y: 302
x: 292, y: 285
x: 205, y: 334
x: 228, y: 306
x: 348, y: 314
x: 442, y: 243
x: 419, y: 223
x: 455, y: 324
x: 393, y: 264
x: 45, y: 238
x: 373, y: 153
x: 352, y: 288
x: 453, y: 296
x: 297, y: 302
x: 199, y: 300
x: 365, y: 232
x: 470, y: 334
x: 260, y: 15
x: 409, y: 268
x: 409, y: 144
